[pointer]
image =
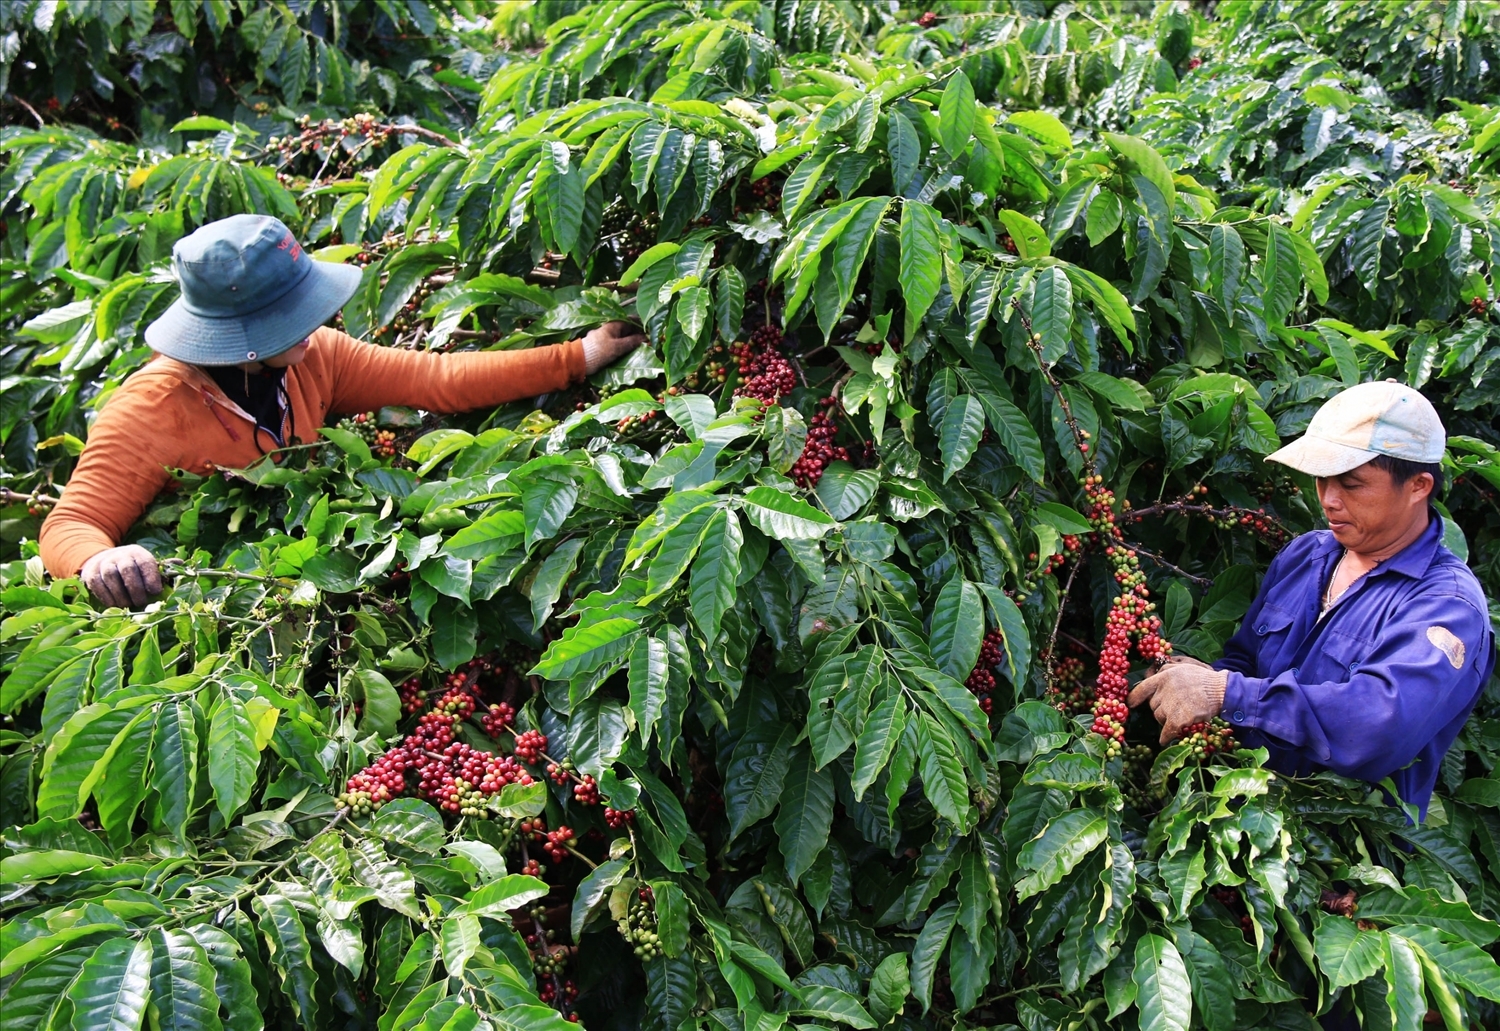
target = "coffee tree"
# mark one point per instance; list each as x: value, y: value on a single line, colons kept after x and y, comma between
x: 776, y: 675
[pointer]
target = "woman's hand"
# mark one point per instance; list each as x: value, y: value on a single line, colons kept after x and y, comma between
x: 122, y: 577
x: 603, y: 345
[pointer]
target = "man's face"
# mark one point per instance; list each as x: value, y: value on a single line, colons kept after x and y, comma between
x: 1367, y: 509
x: 286, y: 359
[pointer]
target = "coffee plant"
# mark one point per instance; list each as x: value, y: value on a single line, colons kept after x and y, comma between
x: 775, y: 675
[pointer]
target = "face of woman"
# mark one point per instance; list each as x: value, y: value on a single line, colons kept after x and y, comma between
x: 286, y: 359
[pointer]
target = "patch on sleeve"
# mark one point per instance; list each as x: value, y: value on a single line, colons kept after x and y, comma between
x: 1444, y: 640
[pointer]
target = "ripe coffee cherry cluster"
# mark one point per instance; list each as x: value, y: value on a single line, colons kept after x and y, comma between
x: 560, y: 773
x: 981, y: 679
x: 530, y: 745
x: 820, y: 448
x: 385, y: 444
x: 553, y: 995
x: 1129, y: 618
x: 927, y: 19
x: 556, y: 843
x: 639, y: 926
x: 764, y: 372
x: 1209, y: 739
x: 617, y: 818
x: 499, y: 717
x: 586, y: 792
x: 456, y: 702
x: 454, y: 776
x: 413, y: 695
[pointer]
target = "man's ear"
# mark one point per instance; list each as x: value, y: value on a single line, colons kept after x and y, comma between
x: 1422, y: 486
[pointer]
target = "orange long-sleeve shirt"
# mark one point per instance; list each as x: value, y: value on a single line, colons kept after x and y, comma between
x: 170, y: 415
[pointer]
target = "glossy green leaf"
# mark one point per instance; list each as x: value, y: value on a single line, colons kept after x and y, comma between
x: 943, y: 778
x: 113, y: 986
x: 232, y: 757
x: 596, y: 734
x: 1058, y: 848
x: 182, y: 984
x: 1405, y: 991
x: 889, y: 986
x: 1052, y: 313
x: 805, y: 816
x: 957, y: 628
x: 1143, y: 158
x: 930, y: 943
x: 756, y: 773
x: 711, y: 585
x: 784, y: 516
x: 1226, y: 266
x: 1346, y: 954
x: 232, y: 978
x: 500, y: 896
x: 956, y: 114
x: 584, y: 648
x: 290, y: 954
x: 1163, y: 993
x: 877, y: 740
x: 824, y: 1002
x: 921, y: 261
x: 31, y: 998
x: 1029, y: 238
x: 963, y: 423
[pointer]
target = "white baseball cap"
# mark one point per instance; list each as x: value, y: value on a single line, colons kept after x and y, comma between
x: 1363, y: 422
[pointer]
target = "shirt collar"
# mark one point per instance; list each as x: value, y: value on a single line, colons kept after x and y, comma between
x: 1414, y: 559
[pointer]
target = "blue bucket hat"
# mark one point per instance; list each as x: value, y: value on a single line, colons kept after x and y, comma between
x: 249, y: 292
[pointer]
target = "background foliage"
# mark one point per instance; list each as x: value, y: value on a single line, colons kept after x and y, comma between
x: 813, y: 677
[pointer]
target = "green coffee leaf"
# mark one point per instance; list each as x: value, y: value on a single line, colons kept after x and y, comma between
x: 113, y: 986
x: 956, y: 114
x: 806, y: 813
x: 1163, y: 993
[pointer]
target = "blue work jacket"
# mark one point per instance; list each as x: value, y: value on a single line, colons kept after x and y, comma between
x: 1381, y: 685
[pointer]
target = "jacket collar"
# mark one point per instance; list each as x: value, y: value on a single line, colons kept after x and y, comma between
x: 1414, y: 559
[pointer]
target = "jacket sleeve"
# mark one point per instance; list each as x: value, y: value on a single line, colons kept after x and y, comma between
x: 365, y: 377
x: 1423, y: 671
x: 117, y: 477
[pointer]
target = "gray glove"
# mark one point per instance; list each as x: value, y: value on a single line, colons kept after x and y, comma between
x: 603, y: 345
x: 1180, y: 695
x: 122, y: 577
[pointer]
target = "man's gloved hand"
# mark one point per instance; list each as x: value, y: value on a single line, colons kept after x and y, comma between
x: 603, y: 345
x: 1182, y: 694
x: 122, y: 577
